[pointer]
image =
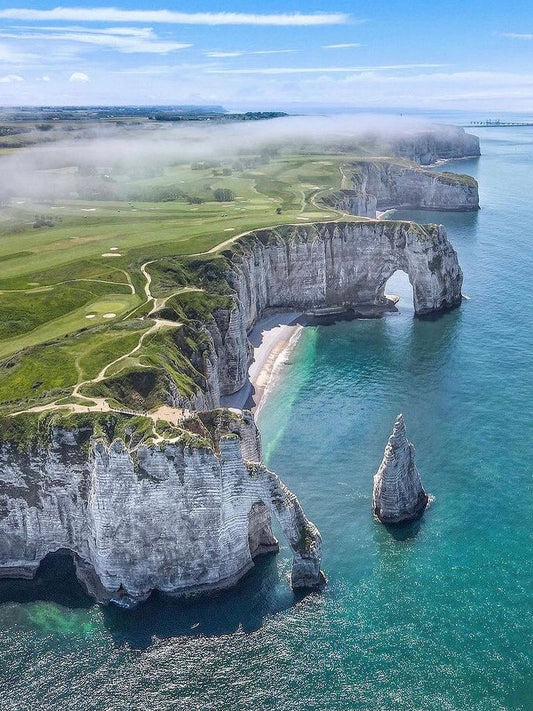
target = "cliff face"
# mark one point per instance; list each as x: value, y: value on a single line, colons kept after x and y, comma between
x: 343, y: 264
x: 181, y: 514
x: 442, y: 142
x: 382, y: 185
x: 398, y: 494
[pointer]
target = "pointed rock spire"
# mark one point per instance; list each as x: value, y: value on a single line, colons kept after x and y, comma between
x: 398, y: 492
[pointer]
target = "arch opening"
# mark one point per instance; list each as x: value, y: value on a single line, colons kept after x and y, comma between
x: 261, y: 539
x: 55, y: 580
x: 399, y: 289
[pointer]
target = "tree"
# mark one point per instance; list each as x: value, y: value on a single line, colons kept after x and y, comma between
x: 224, y: 195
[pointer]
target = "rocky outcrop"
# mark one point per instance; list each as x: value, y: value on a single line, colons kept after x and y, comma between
x: 398, y: 494
x: 182, y: 514
x: 348, y: 200
x: 344, y: 264
x: 371, y: 185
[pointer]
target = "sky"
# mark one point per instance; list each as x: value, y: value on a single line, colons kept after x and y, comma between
x: 474, y: 55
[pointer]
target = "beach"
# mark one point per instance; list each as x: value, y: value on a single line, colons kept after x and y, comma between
x: 272, y: 339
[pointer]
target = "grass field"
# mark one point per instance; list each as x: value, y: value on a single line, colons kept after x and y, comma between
x: 72, y: 280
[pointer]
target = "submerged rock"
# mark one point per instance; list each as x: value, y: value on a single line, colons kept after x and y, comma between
x: 398, y: 492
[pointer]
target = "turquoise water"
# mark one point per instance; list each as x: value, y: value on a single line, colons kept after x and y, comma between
x: 439, y: 619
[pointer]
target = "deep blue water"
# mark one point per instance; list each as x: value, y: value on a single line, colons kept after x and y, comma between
x: 440, y: 619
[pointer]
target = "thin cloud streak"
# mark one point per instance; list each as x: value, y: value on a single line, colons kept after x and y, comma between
x: 324, y: 70
x: 8, y: 56
x: 517, y: 35
x: 242, y: 53
x: 111, y: 14
x: 345, y: 45
x: 125, y: 44
x: 142, y: 32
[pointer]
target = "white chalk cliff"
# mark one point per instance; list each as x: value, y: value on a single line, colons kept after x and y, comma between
x: 370, y: 185
x: 382, y: 185
x: 398, y: 494
x: 342, y: 264
x: 432, y: 144
x: 184, y: 515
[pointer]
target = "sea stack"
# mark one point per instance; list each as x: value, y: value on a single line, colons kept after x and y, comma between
x: 398, y: 494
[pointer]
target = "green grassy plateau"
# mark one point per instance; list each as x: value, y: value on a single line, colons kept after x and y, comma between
x: 100, y: 290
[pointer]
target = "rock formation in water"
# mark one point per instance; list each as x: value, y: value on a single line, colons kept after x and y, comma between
x: 398, y: 494
x: 370, y: 185
x: 183, y: 513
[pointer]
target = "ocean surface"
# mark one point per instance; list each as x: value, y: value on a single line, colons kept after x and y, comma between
x: 435, y: 618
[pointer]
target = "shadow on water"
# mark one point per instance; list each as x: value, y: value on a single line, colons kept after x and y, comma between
x: 55, y: 581
x: 242, y: 608
x: 404, y: 531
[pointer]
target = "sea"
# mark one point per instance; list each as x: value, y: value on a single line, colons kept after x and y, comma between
x: 437, y: 616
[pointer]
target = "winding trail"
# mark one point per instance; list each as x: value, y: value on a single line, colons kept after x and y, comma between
x: 101, y: 404
x: 95, y: 404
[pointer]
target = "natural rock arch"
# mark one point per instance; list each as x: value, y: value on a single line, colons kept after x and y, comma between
x: 344, y: 264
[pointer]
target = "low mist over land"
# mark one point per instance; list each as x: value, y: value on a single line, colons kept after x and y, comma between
x: 74, y: 160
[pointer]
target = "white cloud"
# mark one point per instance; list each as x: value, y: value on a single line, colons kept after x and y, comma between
x: 79, y: 77
x: 10, y: 78
x: 241, y: 53
x: 324, y: 70
x: 346, y: 45
x: 146, y: 32
x: 220, y: 55
x: 111, y: 14
x: 517, y: 35
x: 45, y: 78
x: 147, y: 43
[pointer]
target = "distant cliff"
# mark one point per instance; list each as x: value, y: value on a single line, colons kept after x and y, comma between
x: 378, y: 184
x: 439, y: 142
x: 184, y: 511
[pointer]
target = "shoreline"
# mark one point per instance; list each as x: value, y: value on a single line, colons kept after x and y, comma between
x: 273, y: 337
x: 268, y: 375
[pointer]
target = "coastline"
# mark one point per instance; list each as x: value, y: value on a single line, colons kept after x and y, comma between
x: 266, y: 377
x: 272, y: 338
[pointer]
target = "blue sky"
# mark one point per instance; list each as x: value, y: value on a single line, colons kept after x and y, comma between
x: 470, y: 55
